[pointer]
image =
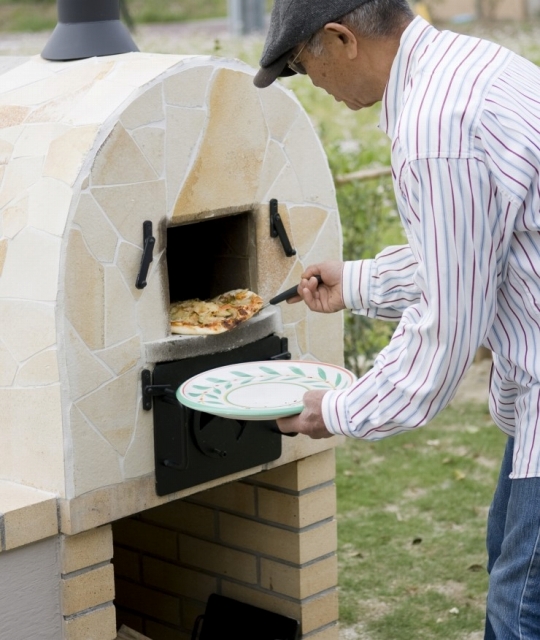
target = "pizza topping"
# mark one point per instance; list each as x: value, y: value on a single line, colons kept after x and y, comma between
x: 206, y: 317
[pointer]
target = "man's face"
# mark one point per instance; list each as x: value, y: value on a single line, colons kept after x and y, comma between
x: 343, y: 69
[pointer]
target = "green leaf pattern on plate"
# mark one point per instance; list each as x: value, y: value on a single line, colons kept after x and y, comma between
x: 210, y: 394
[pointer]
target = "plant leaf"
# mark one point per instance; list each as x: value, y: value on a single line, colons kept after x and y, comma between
x: 322, y: 373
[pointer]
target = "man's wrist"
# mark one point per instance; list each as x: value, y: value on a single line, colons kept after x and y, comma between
x: 355, y: 284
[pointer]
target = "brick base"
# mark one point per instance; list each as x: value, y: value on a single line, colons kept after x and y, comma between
x: 269, y: 540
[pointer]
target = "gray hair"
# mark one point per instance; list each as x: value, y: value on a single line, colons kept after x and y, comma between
x: 374, y: 19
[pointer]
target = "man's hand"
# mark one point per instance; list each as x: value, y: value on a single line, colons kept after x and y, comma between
x: 326, y: 297
x: 310, y: 421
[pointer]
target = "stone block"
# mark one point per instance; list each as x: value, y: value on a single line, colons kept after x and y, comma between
x: 234, y: 496
x: 86, y: 549
x: 178, y: 580
x: 127, y: 564
x: 218, y: 559
x: 299, y: 582
x: 142, y: 536
x: 87, y: 590
x: 99, y: 624
x: 183, y: 516
x: 297, y: 511
x: 303, y: 474
x: 149, y: 602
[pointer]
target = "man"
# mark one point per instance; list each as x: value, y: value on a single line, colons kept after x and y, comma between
x: 463, y: 118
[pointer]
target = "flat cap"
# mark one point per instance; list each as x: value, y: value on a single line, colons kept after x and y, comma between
x: 293, y: 22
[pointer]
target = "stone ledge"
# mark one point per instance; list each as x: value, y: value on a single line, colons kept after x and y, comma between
x: 174, y: 347
x: 26, y: 515
x: 106, y: 505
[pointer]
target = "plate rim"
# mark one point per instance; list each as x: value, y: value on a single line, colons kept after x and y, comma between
x: 267, y: 413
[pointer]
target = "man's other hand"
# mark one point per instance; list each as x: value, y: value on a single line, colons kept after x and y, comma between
x: 310, y: 421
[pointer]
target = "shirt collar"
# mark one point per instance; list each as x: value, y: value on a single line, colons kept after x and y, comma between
x: 413, y: 43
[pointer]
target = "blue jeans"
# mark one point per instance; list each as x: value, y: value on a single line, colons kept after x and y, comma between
x: 513, y: 544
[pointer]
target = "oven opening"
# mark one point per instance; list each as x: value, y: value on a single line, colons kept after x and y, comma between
x: 211, y: 257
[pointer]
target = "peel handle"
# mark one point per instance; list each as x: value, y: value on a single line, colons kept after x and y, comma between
x: 290, y: 293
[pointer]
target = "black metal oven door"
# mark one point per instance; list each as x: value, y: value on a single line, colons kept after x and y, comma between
x: 191, y: 447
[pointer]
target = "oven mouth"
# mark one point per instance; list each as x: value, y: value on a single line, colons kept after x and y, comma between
x: 210, y: 257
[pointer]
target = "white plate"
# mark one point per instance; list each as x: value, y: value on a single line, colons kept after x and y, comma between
x: 260, y: 390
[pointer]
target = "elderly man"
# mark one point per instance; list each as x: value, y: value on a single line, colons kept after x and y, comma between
x: 463, y: 117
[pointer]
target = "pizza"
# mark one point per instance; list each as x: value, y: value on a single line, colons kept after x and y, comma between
x: 208, y: 317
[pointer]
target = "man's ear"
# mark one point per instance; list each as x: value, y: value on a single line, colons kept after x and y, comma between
x: 346, y: 37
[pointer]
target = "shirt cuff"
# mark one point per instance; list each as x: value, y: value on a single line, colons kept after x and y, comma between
x: 356, y: 280
x: 334, y: 413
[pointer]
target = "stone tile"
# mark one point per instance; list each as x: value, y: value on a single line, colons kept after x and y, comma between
x: 185, y: 128
x: 29, y: 515
x: 188, y: 88
x: 274, y: 163
x: 306, y: 224
x: 145, y: 110
x: 302, y: 335
x: 4, y: 244
x: 138, y: 69
x: 99, y: 235
x: 317, y: 184
x: 289, y: 332
x: 8, y: 366
x: 128, y: 261
x: 139, y: 458
x: 86, y: 549
x: 99, y: 102
x: 85, y: 372
x: 35, y: 139
x: 328, y: 243
x: 68, y: 152
x: 48, y: 205
x: 120, y: 324
x: 6, y: 149
x: 151, y: 141
x: 281, y: 109
x: 128, y: 206
x: 55, y: 109
x: 15, y: 217
x: 10, y: 134
x: 297, y: 511
x: 286, y: 187
x: 37, y: 85
x: 42, y: 369
x: 31, y: 267
x: 273, y: 266
x: 322, y: 325
x: 153, y: 307
x: 84, y: 292
x: 225, y: 175
x: 19, y: 175
x: 26, y: 328
x: 293, y: 313
x: 120, y: 161
x: 12, y: 115
x: 112, y: 410
x: 94, y: 462
x: 122, y: 357
x: 29, y: 455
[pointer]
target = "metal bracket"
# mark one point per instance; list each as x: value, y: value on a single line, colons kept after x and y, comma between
x: 285, y: 353
x: 148, y: 254
x: 150, y: 391
x: 277, y: 229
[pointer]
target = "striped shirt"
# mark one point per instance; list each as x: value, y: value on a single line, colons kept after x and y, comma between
x: 463, y: 116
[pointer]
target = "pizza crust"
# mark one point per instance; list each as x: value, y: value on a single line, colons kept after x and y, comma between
x: 210, y: 317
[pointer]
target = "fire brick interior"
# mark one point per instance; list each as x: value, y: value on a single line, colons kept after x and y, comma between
x: 207, y: 258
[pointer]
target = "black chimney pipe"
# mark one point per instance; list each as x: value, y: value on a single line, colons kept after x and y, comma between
x: 88, y: 28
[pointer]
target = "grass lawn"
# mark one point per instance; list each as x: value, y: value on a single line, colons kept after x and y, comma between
x: 411, y: 525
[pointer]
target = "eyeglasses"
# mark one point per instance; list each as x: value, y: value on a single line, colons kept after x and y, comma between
x: 296, y: 66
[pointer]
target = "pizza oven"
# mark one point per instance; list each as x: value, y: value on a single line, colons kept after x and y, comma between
x: 128, y: 182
